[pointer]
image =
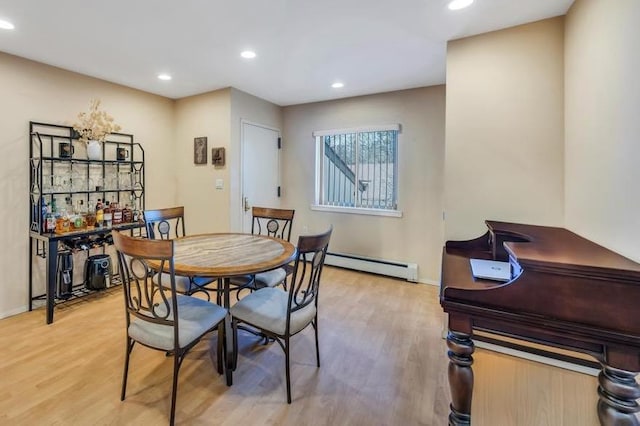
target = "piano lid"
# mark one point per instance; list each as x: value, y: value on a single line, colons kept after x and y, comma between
x: 563, y: 251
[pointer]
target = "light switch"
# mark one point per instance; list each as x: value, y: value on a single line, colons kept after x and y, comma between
x: 219, y: 183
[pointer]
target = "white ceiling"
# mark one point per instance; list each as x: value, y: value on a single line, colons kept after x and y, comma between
x: 303, y: 45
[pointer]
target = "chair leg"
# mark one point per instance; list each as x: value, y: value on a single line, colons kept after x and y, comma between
x: 234, y: 325
x: 174, y: 389
x: 287, y: 367
x: 125, y: 374
x: 315, y: 328
x: 220, y: 347
x: 228, y: 366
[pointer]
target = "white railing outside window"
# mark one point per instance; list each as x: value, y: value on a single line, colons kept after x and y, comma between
x: 357, y: 170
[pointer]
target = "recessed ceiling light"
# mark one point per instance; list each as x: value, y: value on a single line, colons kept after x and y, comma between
x: 6, y: 25
x: 248, y: 54
x: 165, y: 77
x: 337, y: 85
x: 459, y: 4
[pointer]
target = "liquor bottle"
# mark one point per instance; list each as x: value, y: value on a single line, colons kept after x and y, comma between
x: 50, y: 221
x: 99, y: 213
x: 66, y: 222
x: 117, y: 213
x: 127, y: 214
x: 82, y: 213
x: 77, y: 221
x: 59, y: 223
x: 107, y: 214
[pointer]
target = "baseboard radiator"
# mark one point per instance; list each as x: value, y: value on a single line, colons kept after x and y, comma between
x: 407, y: 271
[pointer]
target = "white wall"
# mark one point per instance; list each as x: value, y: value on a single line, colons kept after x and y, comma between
x: 33, y: 91
x: 417, y: 236
x: 504, y: 129
x: 206, y: 208
x: 602, y: 92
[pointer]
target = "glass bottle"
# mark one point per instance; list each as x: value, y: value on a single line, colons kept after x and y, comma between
x: 99, y: 213
x: 127, y: 214
x: 60, y: 223
x: 107, y: 215
x: 89, y: 215
x: 50, y: 220
x: 78, y: 220
x: 117, y: 212
x: 66, y: 222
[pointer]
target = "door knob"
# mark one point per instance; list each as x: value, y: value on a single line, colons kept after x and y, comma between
x: 246, y: 204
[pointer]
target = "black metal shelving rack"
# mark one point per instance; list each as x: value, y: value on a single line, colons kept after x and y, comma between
x: 52, y: 176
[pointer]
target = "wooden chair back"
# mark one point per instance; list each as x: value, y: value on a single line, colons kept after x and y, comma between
x: 165, y: 224
x: 305, y: 283
x: 272, y: 222
x: 145, y: 298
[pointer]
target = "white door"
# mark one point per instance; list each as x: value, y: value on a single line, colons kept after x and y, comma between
x: 260, y: 169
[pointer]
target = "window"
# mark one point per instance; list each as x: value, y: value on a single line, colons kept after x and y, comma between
x: 357, y: 169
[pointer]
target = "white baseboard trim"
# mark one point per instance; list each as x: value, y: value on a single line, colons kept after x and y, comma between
x: 13, y: 312
x: 537, y: 358
x: 390, y: 268
x: 525, y: 355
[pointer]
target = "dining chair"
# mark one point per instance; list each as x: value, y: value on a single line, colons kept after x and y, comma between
x: 157, y: 315
x: 280, y: 314
x: 275, y: 223
x: 168, y: 223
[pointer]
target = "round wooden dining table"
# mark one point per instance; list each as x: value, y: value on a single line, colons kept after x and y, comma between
x: 228, y: 255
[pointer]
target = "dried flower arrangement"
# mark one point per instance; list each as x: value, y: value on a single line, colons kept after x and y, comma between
x: 95, y: 124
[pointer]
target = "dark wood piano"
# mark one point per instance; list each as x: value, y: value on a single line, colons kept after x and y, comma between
x: 566, y: 292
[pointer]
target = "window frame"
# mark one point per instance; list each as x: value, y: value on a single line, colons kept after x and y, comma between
x: 317, y: 206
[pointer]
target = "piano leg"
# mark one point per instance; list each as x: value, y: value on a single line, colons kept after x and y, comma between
x: 618, y: 392
x: 460, y: 377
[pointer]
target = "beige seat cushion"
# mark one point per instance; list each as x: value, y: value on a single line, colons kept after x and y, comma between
x: 183, y: 284
x: 270, y: 278
x: 267, y: 309
x: 195, y: 317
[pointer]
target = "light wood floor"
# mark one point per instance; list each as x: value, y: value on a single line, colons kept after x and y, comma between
x: 383, y: 363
